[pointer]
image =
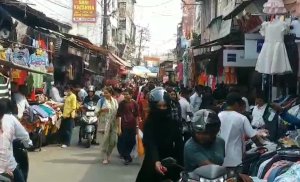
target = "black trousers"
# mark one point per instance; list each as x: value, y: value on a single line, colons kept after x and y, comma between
x: 66, y: 130
x: 18, y: 175
x: 126, y: 142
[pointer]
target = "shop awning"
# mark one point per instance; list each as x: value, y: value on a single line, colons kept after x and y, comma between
x: 19, y: 67
x: 118, y: 60
x: 92, y: 47
x: 124, y: 63
x: 236, y: 8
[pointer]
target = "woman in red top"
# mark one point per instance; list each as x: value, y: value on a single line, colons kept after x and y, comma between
x: 143, y: 107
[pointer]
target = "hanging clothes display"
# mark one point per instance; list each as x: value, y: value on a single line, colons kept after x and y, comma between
x: 274, y: 7
x: 39, y: 61
x: 293, y: 7
x: 5, y: 86
x: 20, y: 56
x: 289, y: 80
x: 19, y: 77
x: 180, y: 72
x: 273, y: 58
x: 230, y: 76
x: 185, y: 68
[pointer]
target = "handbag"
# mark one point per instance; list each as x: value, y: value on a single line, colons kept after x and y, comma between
x: 140, y: 146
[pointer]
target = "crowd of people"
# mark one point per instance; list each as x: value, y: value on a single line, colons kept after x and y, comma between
x: 195, y: 127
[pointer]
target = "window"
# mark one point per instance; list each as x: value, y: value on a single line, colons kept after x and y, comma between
x: 122, y: 24
x: 122, y: 9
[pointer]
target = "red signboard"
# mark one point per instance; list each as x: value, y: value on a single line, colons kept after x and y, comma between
x: 84, y: 11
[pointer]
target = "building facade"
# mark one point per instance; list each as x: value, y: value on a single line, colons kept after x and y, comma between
x: 126, y: 29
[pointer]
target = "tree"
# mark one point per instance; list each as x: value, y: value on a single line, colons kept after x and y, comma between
x: 144, y: 36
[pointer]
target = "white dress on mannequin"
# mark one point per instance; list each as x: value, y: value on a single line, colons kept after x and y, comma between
x: 273, y: 58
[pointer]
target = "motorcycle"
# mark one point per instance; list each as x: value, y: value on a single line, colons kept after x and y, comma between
x: 88, y: 124
x: 21, y: 156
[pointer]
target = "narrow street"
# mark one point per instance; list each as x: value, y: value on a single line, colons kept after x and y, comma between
x: 78, y: 164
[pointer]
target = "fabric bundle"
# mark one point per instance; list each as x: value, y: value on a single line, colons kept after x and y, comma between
x: 274, y: 7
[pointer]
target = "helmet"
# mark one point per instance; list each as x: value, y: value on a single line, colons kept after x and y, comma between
x: 158, y: 94
x: 205, y: 121
x: 91, y: 89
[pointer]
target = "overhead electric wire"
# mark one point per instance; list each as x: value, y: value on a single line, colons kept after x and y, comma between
x: 56, y: 13
x: 154, y: 6
x: 64, y: 6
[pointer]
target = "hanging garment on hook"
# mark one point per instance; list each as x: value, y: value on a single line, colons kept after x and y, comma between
x: 273, y: 58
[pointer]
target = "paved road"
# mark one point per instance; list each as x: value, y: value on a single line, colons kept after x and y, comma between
x: 78, y: 164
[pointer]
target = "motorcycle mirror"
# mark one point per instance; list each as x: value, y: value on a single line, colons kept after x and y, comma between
x: 210, y: 172
x: 168, y: 162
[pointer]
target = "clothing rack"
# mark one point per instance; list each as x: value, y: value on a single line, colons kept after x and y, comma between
x: 28, y: 46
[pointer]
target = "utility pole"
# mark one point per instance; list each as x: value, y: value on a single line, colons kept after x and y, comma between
x: 140, y: 46
x: 105, y: 16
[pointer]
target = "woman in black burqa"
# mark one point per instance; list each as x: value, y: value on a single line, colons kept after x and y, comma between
x: 162, y: 139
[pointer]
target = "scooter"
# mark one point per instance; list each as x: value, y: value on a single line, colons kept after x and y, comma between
x: 215, y: 173
x: 88, y: 124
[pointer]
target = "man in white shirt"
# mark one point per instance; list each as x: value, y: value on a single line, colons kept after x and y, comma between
x: 10, y: 129
x: 54, y: 94
x: 186, y: 114
x: 196, y: 98
x: 185, y: 106
x: 21, y: 101
x: 258, y: 112
x: 234, y: 127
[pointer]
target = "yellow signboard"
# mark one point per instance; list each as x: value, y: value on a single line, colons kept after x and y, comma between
x: 84, y: 11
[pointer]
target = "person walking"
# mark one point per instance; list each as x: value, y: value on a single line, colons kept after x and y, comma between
x: 175, y: 107
x: 196, y: 98
x: 161, y: 139
x: 143, y: 108
x: 107, y: 108
x: 186, y: 113
x: 127, y: 117
x: 69, y: 113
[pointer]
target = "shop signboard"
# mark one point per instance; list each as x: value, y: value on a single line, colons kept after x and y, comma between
x: 84, y: 11
x: 168, y: 66
x: 253, y: 45
x: 236, y: 58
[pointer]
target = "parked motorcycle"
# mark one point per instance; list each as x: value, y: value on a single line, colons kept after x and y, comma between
x: 88, y: 124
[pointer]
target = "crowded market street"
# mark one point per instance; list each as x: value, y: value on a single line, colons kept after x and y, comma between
x: 149, y: 90
x: 78, y: 164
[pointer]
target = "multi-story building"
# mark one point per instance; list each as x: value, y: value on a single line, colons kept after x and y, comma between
x: 62, y: 11
x: 126, y: 29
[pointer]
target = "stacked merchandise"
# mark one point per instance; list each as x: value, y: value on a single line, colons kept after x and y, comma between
x: 279, y: 166
x: 42, y: 122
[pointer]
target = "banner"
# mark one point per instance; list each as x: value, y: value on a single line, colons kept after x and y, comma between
x: 84, y: 11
